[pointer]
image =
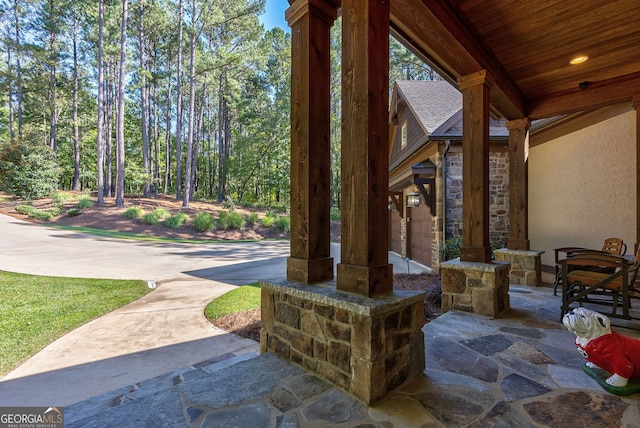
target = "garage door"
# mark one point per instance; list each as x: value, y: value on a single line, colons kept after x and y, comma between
x: 394, y: 220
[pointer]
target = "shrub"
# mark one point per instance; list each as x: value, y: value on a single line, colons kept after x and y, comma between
x: 175, y: 221
x: 54, y: 211
x: 451, y: 248
x: 133, y: 212
x: 284, y: 223
x: 28, y: 170
x: 150, y: 219
x: 203, y: 222
x: 73, y: 212
x: 85, y: 202
x: 24, y: 209
x: 33, y: 212
x: 235, y: 221
x: 496, y: 245
x: 60, y: 198
x: 223, y: 219
x: 41, y: 215
x: 268, y: 220
x: 252, y: 219
x: 162, y: 213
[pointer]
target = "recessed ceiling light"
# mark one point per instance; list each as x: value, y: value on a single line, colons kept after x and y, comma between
x: 578, y: 59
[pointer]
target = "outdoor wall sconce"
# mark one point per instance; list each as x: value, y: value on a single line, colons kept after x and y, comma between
x: 390, y: 206
x: 413, y: 199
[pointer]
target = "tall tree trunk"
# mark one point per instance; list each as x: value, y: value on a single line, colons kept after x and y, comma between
x: 12, y: 131
x: 100, y: 132
x: 221, y: 142
x: 143, y: 104
x: 156, y: 128
x: 211, y: 169
x: 226, y: 126
x: 192, y: 104
x: 179, y: 107
x: 76, y: 136
x: 53, y: 141
x: 196, y: 142
x: 109, y: 109
x: 16, y: 16
x: 120, y: 112
x: 167, y: 141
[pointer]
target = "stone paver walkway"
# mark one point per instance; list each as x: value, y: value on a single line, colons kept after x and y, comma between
x: 522, y: 370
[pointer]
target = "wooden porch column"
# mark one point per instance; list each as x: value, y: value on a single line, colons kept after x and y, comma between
x: 310, y: 22
x: 518, y: 185
x: 364, y: 267
x: 636, y: 106
x: 475, y: 167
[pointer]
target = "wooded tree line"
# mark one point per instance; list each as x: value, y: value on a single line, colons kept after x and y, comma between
x: 184, y: 97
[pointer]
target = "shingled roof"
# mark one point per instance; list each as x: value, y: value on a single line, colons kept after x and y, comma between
x: 438, y: 107
x: 433, y: 102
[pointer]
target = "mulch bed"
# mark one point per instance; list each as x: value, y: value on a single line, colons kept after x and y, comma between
x: 427, y: 282
x: 244, y: 324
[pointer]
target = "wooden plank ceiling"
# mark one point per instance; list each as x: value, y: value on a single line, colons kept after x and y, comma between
x: 526, y: 47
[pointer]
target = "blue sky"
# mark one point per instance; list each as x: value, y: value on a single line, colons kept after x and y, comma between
x: 274, y: 14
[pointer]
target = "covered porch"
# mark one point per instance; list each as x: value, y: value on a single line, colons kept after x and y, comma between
x: 366, y: 338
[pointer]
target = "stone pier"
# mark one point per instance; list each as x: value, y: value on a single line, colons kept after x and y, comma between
x: 480, y: 288
x: 365, y: 346
x: 526, y: 266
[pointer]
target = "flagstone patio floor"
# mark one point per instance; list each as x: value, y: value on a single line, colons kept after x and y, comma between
x: 521, y: 370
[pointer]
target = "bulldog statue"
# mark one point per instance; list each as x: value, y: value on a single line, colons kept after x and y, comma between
x: 604, y: 348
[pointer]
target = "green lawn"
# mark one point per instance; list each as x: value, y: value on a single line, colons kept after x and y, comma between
x: 36, y: 310
x: 241, y: 299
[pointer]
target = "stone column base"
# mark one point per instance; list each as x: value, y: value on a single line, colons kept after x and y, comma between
x: 365, y: 346
x: 480, y: 288
x: 526, y: 266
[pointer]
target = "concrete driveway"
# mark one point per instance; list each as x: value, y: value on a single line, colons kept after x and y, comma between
x: 159, y: 333
x: 36, y: 249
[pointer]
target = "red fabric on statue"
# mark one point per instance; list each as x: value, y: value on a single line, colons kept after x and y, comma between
x: 614, y: 353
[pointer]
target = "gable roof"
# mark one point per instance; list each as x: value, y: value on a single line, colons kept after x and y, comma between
x: 433, y: 102
x: 437, y: 105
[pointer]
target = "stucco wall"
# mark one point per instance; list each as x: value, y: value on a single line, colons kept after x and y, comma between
x: 582, y: 187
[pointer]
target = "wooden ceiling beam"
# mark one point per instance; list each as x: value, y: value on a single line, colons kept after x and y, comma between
x: 420, y: 31
x: 437, y: 33
x: 595, y: 95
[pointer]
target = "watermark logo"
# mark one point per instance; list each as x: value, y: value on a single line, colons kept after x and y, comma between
x: 31, y: 417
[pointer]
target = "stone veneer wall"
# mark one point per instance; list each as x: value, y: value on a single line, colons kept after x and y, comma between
x: 365, y: 346
x: 499, y: 196
x: 403, y: 232
x: 437, y: 226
